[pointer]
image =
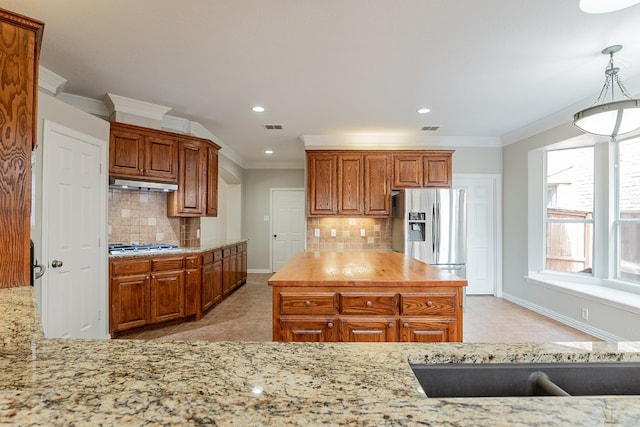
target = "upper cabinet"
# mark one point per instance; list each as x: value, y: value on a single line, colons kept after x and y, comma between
x: 359, y: 183
x: 422, y: 169
x: 140, y: 153
x: 20, y: 40
x: 154, y: 155
x: 348, y: 183
x: 322, y: 185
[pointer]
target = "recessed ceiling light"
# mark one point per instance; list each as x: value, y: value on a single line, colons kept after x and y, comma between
x: 601, y: 6
x: 423, y: 110
x: 268, y: 151
x: 257, y: 109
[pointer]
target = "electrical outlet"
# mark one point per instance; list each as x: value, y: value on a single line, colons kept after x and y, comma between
x: 333, y: 232
x: 316, y: 232
x: 585, y: 313
x: 362, y: 232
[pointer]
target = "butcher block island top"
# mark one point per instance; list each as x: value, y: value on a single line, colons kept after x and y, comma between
x: 360, y: 269
x: 365, y: 297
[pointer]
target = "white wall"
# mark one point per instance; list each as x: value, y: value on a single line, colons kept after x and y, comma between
x: 522, y: 223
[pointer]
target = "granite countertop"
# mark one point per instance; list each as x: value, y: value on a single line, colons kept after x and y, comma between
x: 204, y: 247
x: 129, y: 382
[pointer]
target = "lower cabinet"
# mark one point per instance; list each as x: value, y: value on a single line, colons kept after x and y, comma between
x: 152, y: 290
x: 309, y: 330
x: 129, y: 294
x: 368, y: 315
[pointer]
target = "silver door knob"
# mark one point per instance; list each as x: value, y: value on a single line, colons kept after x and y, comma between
x: 56, y: 264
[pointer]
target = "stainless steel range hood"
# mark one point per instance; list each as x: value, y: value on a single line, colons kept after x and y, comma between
x: 129, y: 184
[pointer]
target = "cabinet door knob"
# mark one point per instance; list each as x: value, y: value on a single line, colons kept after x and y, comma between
x: 369, y: 304
x: 330, y: 325
x: 429, y: 304
x: 391, y: 324
x: 406, y: 325
x: 307, y: 303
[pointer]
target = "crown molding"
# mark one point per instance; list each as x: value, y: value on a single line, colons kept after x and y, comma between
x: 396, y: 142
x: 121, y: 104
x: 49, y: 81
x: 88, y: 105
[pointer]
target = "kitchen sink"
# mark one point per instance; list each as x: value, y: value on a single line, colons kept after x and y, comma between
x: 528, y: 379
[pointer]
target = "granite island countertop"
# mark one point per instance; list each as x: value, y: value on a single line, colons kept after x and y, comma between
x: 89, y: 382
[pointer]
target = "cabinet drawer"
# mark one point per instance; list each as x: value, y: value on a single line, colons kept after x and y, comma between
x: 234, y: 250
x: 217, y: 255
x: 192, y: 262
x: 207, y: 258
x: 167, y: 264
x: 130, y: 267
x: 366, y: 303
x: 308, y: 303
x: 226, y: 252
x: 441, y: 304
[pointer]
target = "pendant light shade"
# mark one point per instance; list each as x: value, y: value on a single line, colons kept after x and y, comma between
x: 612, y: 118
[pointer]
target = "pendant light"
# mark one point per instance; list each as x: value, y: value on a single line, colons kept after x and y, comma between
x: 610, y: 118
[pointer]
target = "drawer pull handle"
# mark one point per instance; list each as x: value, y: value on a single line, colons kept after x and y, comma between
x: 307, y: 303
x: 406, y: 325
x: 390, y: 324
x: 369, y: 304
x: 429, y: 304
x: 330, y: 325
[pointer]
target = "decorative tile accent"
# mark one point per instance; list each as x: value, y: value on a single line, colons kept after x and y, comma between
x: 141, y: 216
x: 377, y: 234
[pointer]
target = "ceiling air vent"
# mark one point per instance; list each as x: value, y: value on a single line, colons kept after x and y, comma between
x: 431, y: 128
x: 273, y: 127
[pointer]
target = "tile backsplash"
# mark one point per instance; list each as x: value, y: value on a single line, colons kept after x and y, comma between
x: 348, y: 234
x: 140, y: 216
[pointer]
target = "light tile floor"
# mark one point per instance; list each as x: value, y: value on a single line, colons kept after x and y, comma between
x: 246, y: 316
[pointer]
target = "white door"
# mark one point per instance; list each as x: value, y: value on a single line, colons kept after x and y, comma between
x: 74, y: 234
x: 482, y: 231
x: 287, y: 225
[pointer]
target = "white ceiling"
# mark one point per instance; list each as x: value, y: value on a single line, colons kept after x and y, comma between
x: 341, y: 71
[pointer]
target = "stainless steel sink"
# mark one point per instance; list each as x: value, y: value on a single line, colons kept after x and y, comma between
x: 529, y: 379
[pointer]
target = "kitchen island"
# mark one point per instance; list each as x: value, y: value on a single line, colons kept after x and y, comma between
x: 102, y: 382
x: 365, y: 297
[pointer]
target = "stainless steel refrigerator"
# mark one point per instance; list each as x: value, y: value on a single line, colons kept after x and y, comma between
x: 431, y: 225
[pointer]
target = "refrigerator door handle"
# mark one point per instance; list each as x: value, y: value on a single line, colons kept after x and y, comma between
x: 433, y: 229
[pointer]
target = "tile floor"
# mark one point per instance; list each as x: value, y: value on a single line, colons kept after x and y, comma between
x: 246, y: 316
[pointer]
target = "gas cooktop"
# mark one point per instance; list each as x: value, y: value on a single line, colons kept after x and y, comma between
x: 121, y: 248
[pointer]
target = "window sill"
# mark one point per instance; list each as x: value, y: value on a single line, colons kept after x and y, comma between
x: 589, y: 288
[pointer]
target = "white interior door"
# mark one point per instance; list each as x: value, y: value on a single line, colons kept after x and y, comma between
x: 482, y: 232
x: 74, y: 234
x: 287, y: 225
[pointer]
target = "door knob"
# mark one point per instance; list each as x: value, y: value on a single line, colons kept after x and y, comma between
x: 56, y: 264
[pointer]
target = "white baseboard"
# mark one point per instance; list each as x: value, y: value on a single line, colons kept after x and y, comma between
x: 259, y: 270
x: 587, y: 329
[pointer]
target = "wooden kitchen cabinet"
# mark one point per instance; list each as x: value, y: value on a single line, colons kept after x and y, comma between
x: 193, y: 284
x: 190, y: 198
x: 309, y: 330
x: 212, y: 180
x: 377, y: 184
x: 211, y: 279
x: 142, y: 154
x: 348, y: 183
x: 167, y: 289
x: 129, y: 294
x: 20, y: 41
x: 368, y: 315
x: 322, y: 184
x: 422, y: 169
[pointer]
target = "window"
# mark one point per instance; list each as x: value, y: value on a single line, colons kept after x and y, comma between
x: 569, y: 209
x: 628, y: 211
